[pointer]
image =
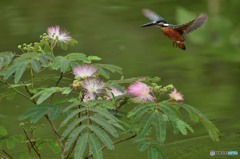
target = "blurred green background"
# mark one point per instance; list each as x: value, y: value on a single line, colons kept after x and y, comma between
x: 207, y: 73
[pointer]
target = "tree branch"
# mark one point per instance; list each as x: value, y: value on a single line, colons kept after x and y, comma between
x: 6, y: 153
x: 16, y: 90
x: 32, y: 145
x: 56, y: 133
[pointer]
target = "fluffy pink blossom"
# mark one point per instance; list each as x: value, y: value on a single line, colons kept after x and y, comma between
x: 55, y: 33
x: 92, y: 86
x: 176, y: 96
x: 84, y: 71
x: 140, y: 91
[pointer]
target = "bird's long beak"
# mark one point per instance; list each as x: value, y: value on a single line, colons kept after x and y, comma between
x: 149, y: 24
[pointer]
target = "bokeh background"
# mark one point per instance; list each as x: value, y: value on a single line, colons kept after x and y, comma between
x: 207, y: 73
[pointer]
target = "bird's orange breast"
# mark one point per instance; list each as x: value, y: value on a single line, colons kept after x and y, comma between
x: 174, y: 35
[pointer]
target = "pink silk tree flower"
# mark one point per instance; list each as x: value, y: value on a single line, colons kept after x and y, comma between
x: 93, y: 87
x: 141, y: 92
x: 84, y: 71
x: 174, y: 95
x: 55, y: 33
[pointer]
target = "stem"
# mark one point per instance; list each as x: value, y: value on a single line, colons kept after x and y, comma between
x: 33, y: 101
x: 57, y: 83
x: 32, y: 144
x: 57, y: 134
x: 6, y: 153
x: 18, y: 92
x: 122, y: 140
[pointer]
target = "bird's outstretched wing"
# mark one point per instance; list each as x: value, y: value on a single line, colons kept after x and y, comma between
x: 151, y: 15
x: 192, y: 25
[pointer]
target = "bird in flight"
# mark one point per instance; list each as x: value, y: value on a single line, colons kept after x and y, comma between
x: 175, y: 32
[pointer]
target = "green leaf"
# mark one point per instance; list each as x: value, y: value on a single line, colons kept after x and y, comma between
x: 11, y: 70
x: 137, y: 109
x: 161, y: 127
x: 18, y: 138
x: 104, y: 73
x: 43, y: 60
x: 24, y: 155
x: 146, y: 123
x: 3, y: 131
x: 54, y: 112
x: 103, y: 136
x: 81, y: 146
x: 72, y: 115
x: 104, y: 113
x: 78, y: 57
x: 72, y: 126
x: 19, y: 71
x: 212, y: 130
x: 193, y: 110
x: 28, y: 113
x: 95, y: 147
x: 104, y: 124
x: 47, y: 92
x: 54, y: 146
x: 73, y: 137
x: 109, y: 67
x: 94, y: 58
x: 122, y: 81
x: 39, y: 114
x: 138, y: 112
x: 61, y: 63
x: 152, y: 153
x: 183, y: 126
x: 44, y: 96
x: 167, y: 108
x: 35, y: 65
x: 10, y: 143
x: 6, y: 58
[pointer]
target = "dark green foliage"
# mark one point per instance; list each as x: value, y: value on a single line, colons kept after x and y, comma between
x: 196, y: 116
x: 66, y: 63
x: 8, y: 139
x: 105, y: 70
x: 54, y: 146
x: 38, y: 112
x: 147, y: 116
x: 151, y: 146
x: 32, y: 60
x: 90, y: 124
x: 5, y: 59
x: 47, y: 92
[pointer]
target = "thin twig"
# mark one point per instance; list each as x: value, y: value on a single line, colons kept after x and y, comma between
x: 56, y: 132
x: 122, y: 140
x: 32, y: 145
x: 20, y: 93
x: 6, y: 153
x: 57, y: 83
x: 33, y: 101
